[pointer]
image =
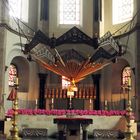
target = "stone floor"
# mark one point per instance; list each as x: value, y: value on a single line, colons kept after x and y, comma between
x: 138, y: 138
x: 3, y: 138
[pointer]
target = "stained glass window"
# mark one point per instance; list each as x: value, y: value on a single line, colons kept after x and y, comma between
x: 122, y: 11
x: 70, y: 11
x: 19, y: 9
x: 12, y: 74
x: 65, y: 83
x: 126, y: 76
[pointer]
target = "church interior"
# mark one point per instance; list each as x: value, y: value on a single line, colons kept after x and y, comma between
x: 69, y: 69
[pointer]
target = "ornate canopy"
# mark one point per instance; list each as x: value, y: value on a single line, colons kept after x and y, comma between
x: 71, y: 63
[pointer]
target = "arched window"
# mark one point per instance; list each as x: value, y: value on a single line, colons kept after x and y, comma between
x: 70, y: 11
x: 126, y: 76
x: 12, y: 74
x: 122, y: 10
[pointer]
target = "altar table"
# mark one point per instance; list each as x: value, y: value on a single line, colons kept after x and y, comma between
x: 69, y: 128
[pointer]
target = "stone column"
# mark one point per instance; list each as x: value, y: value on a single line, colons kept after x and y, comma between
x: 96, y: 17
x: 44, y: 16
x: 2, y: 61
x: 2, y: 49
x: 137, y: 68
x: 96, y: 81
x: 138, y: 76
x: 42, y: 77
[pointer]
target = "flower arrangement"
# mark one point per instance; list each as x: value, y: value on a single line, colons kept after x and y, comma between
x: 65, y: 112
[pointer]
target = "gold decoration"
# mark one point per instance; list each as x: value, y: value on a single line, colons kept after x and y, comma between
x: 90, y: 104
x: 14, y: 130
x: 129, y: 132
x: 52, y: 103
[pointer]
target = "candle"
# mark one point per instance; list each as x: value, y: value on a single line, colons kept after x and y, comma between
x: 52, y: 100
x: 90, y: 101
x: 36, y: 101
x: 105, y: 102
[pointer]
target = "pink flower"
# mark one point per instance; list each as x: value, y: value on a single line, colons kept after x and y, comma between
x: 64, y: 112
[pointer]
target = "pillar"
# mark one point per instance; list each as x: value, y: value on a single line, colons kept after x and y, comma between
x: 96, y: 82
x: 4, y: 18
x: 44, y: 16
x: 42, y: 82
x: 137, y: 59
x: 96, y: 17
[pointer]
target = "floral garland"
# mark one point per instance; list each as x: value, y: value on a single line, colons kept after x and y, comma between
x: 65, y: 112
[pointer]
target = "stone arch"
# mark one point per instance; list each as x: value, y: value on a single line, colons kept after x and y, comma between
x: 117, y: 92
x: 16, y: 57
x: 116, y: 74
x: 23, y: 72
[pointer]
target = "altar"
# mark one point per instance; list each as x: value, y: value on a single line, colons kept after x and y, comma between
x: 69, y: 128
x: 49, y: 119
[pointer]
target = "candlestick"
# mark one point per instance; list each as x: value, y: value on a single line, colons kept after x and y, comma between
x: 70, y: 94
x: 106, y: 107
x: 16, y: 81
x: 70, y: 104
x: 129, y: 134
x: 14, y: 132
x: 36, y: 103
x: 129, y: 81
x: 70, y: 97
x: 90, y: 104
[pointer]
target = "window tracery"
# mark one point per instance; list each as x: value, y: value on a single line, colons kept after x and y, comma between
x: 70, y: 11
